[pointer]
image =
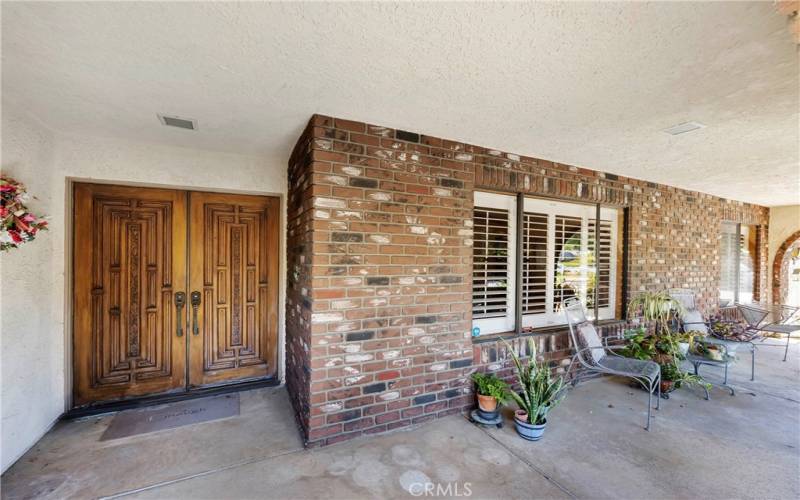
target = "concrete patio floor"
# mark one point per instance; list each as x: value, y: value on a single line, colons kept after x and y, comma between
x: 747, y: 446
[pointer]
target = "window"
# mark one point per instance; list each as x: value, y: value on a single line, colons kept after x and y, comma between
x: 493, y: 262
x: 558, y: 261
x: 737, y: 263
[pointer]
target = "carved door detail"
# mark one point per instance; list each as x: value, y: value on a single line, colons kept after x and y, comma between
x: 234, y: 266
x: 139, y: 256
x: 129, y: 257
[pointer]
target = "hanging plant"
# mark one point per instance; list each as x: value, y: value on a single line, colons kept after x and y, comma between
x: 17, y: 224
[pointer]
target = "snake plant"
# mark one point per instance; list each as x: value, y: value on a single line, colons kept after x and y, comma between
x: 539, y: 390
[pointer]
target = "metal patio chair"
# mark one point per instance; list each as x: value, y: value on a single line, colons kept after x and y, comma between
x: 595, y: 357
x: 692, y: 320
x: 780, y: 316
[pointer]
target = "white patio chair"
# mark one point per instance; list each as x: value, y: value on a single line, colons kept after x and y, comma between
x: 593, y: 356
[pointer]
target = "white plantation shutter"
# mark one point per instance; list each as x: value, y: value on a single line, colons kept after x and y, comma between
x: 490, y: 263
x: 493, y: 263
x: 558, y: 261
x: 534, y: 263
x: 601, y: 274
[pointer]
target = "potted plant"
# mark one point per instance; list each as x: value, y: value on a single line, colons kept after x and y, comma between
x: 539, y: 393
x: 663, y: 346
x: 490, y: 391
x: 657, y: 308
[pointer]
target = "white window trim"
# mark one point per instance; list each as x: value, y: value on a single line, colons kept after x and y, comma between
x: 551, y: 317
x: 502, y: 202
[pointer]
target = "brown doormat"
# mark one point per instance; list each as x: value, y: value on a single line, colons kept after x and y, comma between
x: 162, y: 417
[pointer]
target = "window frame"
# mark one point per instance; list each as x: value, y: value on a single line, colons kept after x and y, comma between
x: 501, y: 202
x: 552, y: 208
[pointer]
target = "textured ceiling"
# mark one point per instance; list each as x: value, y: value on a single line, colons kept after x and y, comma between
x: 590, y: 84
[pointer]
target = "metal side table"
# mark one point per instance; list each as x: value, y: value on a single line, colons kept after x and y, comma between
x: 727, y: 360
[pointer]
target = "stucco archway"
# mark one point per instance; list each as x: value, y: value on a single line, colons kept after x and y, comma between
x: 777, y: 265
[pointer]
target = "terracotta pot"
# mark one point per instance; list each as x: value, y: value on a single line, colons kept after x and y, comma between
x: 487, y: 403
x: 667, y: 386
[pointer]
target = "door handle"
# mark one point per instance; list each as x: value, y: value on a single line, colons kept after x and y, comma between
x: 180, y: 301
x: 195, y: 298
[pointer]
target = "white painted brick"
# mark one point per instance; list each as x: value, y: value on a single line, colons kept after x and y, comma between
x: 387, y: 396
x: 329, y: 203
x: 351, y: 171
x: 336, y: 179
x: 331, y: 407
x: 349, y: 214
x: 326, y: 317
x: 379, y: 238
x: 358, y: 358
x: 380, y: 196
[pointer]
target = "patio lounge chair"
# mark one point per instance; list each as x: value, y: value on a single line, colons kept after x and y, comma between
x: 593, y: 356
x: 781, y: 316
x: 692, y: 320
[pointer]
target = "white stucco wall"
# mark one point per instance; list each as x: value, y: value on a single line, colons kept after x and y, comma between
x: 783, y: 221
x: 31, y: 300
x: 36, y: 359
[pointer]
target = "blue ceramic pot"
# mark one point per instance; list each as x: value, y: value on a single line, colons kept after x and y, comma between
x: 529, y: 431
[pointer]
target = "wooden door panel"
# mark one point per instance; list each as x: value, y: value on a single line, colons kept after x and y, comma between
x: 129, y: 260
x: 234, y: 266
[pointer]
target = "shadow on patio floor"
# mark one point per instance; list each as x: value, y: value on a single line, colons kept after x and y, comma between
x: 747, y: 446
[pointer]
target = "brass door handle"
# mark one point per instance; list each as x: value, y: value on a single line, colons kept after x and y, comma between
x: 195, y: 298
x: 180, y: 301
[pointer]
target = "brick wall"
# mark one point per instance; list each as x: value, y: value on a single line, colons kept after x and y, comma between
x: 378, y: 320
x: 299, y: 245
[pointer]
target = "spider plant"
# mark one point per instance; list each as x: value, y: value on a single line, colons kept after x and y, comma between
x: 655, y: 307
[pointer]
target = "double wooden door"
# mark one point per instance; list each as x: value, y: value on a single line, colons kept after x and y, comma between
x: 173, y: 290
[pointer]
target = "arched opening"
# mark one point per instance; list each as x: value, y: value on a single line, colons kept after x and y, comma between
x: 786, y: 272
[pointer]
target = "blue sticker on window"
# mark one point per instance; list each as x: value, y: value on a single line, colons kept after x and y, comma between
x: 476, y: 331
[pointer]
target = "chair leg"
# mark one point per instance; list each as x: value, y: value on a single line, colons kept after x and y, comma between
x: 786, y: 352
x: 649, y: 405
x: 752, y: 362
x: 574, y: 380
x: 658, y: 401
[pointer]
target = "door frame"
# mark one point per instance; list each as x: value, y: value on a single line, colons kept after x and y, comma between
x: 69, y: 273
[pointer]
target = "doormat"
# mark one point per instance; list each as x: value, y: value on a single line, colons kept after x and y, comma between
x: 158, y: 418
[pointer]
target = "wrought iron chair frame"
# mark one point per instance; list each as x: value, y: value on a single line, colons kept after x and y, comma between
x: 650, y: 384
x: 755, y: 316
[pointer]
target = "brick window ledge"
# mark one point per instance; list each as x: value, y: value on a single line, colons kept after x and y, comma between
x: 538, y: 332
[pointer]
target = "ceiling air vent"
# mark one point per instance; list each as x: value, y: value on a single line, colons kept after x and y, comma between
x: 682, y: 128
x: 174, y: 121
